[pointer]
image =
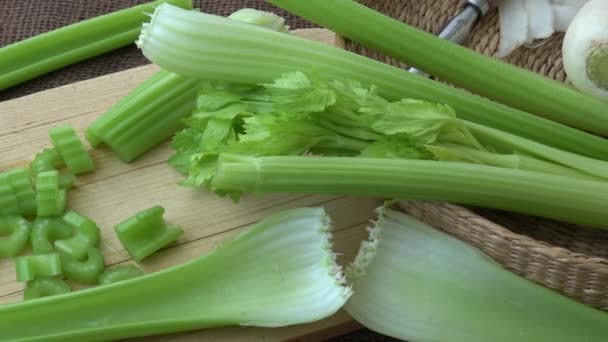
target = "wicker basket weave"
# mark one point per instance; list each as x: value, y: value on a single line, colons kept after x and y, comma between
x: 564, y: 257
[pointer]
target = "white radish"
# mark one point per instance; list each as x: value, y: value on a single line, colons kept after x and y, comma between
x: 585, y: 49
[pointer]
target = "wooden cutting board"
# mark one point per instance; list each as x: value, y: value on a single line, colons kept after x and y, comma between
x: 118, y: 190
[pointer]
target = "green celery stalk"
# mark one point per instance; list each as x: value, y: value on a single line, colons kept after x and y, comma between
x: 551, y: 196
x: 416, y: 283
x: 216, y: 48
x: 52, y: 50
x: 279, y: 272
x: 456, y: 64
x: 153, y: 112
x: 146, y: 117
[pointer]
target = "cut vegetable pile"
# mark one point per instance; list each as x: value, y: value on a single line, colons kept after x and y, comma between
x: 250, y: 108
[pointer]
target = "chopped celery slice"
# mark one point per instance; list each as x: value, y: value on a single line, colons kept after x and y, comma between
x: 52, y: 50
x: 21, y: 184
x: 492, y: 78
x: 9, y: 204
x: 71, y: 150
x: 558, y: 197
x: 86, y: 235
x: 50, y: 200
x: 31, y: 267
x: 146, y: 232
x: 212, y: 47
x: 279, y: 272
x: 84, y: 271
x: 44, y: 287
x: 14, y: 235
x: 119, y: 273
x: 416, y: 283
x: 46, y: 231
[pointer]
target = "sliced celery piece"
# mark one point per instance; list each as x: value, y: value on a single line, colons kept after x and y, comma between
x: 279, y: 272
x: 20, y: 182
x: 84, y: 271
x: 71, y: 150
x: 44, y: 287
x: 551, y: 196
x: 50, y: 199
x: 415, y: 283
x: 31, y: 267
x: 490, y: 77
x: 9, y: 204
x: 14, y: 235
x: 215, y: 48
x: 52, y: 50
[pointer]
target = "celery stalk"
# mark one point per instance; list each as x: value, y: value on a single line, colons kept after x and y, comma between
x: 551, y: 196
x: 416, y: 283
x: 147, y: 116
x: 279, y: 272
x: 216, y: 48
x: 52, y: 50
x: 456, y: 64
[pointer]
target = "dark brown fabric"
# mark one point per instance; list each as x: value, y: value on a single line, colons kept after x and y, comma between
x: 20, y: 19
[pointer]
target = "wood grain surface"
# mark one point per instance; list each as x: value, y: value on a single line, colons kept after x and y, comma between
x: 118, y: 190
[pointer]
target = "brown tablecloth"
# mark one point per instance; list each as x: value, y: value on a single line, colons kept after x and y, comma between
x: 20, y: 19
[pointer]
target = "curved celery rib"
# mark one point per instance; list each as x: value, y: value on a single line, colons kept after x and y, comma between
x: 456, y: 64
x: 557, y: 197
x: 14, y: 235
x: 83, y: 271
x: 71, y: 150
x: 416, y: 283
x: 52, y: 50
x: 20, y: 182
x: 279, y: 272
x: 213, y: 48
x: 149, y: 115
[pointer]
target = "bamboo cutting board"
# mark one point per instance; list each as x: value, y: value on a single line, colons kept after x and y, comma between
x: 118, y: 190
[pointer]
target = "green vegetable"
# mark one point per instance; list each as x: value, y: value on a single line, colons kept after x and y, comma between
x: 31, y: 267
x: 119, y: 273
x: 71, y: 150
x: 491, y: 78
x: 213, y: 48
x: 152, y: 112
x: 86, y: 234
x: 279, y: 272
x: 52, y: 50
x: 9, y: 204
x: 146, y: 233
x: 48, y: 160
x: 21, y: 184
x: 260, y: 18
x: 14, y: 234
x: 46, y: 231
x: 416, y: 283
x: 45, y: 287
x: 146, y: 117
x: 83, y: 271
x: 557, y: 197
x: 50, y: 200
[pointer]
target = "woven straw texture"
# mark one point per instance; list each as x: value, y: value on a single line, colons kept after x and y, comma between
x: 569, y: 259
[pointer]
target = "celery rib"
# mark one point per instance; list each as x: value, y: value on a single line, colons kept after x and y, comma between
x: 52, y: 50
x: 492, y: 78
x: 216, y: 48
x: 551, y: 196
x: 408, y: 272
x: 147, y: 116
